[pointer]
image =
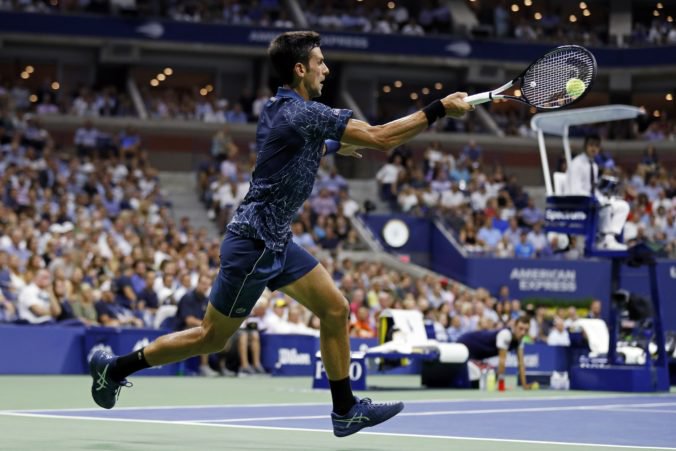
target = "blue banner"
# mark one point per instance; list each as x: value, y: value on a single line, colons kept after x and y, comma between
x: 541, y: 278
x: 537, y: 358
x: 637, y: 280
x: 288, y: 355
x: 124, y: 341
x: 528, y: 279
x: 218, y: 34
x: 569, y: 214
x: 43, y: 349
x: 357, y: 372
x: 293, y: 355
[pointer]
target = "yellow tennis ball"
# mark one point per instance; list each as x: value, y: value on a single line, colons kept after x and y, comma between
x: 535, y: 386
x: 575, y: 87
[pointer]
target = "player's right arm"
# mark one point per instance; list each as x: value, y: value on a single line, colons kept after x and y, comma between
x: 522, y: 368
x: 388, y: 136
x: 502, y: 362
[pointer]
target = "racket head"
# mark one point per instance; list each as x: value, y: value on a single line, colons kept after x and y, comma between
x: 543, y: 83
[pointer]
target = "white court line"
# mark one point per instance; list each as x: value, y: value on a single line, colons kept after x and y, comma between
x: 417, y: 401
x: 384, y: 434
x: 636, y: 410
x: 603, y: 408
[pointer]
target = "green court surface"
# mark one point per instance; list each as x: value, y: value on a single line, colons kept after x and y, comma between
x: 33, y: 431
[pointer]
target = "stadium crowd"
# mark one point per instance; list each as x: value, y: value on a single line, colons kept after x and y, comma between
x: 190, y: 104
x: 493, y: 215
x: 83, y: 101
x: 88, y: 238
x: 232, y: 12
x: 547, y: 21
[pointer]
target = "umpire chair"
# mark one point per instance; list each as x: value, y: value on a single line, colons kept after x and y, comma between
x: 578, y: 215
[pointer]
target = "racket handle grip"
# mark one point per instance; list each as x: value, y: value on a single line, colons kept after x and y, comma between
x: 482, y: 97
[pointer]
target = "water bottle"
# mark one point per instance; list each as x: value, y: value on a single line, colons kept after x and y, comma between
x: 491, y: 380
x: 483, y: 379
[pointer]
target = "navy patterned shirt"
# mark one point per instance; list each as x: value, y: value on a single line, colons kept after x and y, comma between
x: 290, y: 141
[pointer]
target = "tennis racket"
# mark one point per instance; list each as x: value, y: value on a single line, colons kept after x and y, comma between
x: 560, y: 78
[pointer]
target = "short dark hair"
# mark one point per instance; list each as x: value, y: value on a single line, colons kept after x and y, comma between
x: 592, y: 137
x: 290, y: 48
x: 525, y: 319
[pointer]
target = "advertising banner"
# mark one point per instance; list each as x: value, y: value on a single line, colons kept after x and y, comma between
x: 41, y: 349
x: 125, y: 28
x: 124, y: 341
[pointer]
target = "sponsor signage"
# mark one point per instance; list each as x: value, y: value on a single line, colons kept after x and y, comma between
x: 556, y: 218
x: 357, y: 372
x: 543, y: 279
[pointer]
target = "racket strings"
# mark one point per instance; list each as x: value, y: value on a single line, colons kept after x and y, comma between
x: 544, y: 84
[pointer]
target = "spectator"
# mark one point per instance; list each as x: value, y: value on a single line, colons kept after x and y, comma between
x: 513, y: 232
x: 7, y: 310
x: 537, y: 238
x: 348, y: 206
x: 489, y: 237
x: 147, y: 299
x: 471, y: 154
x: 86, y: 140
x: 455, y: 330
x: 595, y: 309
x: 387, y: 177
x: 362, y: 326
x: 47, y: 105
x: 110, y: 313
x: 236, y: 115
x: 324, y: 204
x: 531, y: 215
x: 571, y: 318
x: 539, y: 325
x: 558, y: 336
x: 35, y: 305
x: 191, y: 310
x: 301, y: 237
x: 83, y: 305
x: 333, y: 182
x: 412, y: 28
x: 129, y: 143
x: 524, y: 248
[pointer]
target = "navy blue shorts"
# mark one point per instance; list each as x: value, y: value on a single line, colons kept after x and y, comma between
x: 247, y: 267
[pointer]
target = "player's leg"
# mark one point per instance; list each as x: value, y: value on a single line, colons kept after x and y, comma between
x: 243, y: 351
x: 246, y: 266
x: 207, y: 338
x: 317, y: 292
x: 110, y: 372
x: 315, y: 289
x: 255, y: 348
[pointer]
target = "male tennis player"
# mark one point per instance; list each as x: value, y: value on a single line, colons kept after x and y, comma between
x: 292, y: 135
x: 484, y: 344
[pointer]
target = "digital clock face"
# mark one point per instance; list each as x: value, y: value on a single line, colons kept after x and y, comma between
x: 396, y: 233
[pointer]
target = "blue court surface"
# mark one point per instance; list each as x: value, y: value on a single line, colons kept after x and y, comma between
x: 639, y: 422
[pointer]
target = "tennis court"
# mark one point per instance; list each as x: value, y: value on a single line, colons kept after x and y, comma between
x: 284, y: 414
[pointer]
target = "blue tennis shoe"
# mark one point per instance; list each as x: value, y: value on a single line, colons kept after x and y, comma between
x: 362, y: 415
x: 105, y: 390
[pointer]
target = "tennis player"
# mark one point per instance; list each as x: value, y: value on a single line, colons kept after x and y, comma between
x: 293, y: 134
x: 484, y: 344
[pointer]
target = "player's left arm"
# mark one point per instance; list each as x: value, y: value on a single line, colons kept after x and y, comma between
x: 522, y: 368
